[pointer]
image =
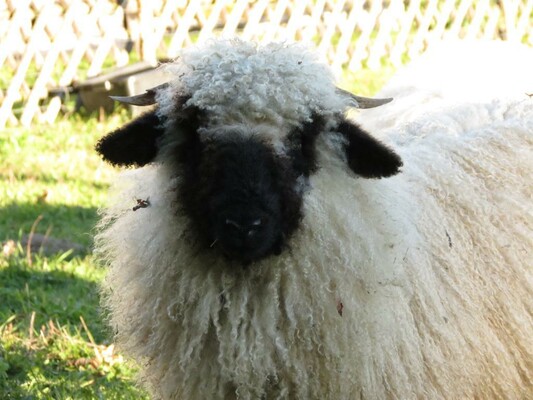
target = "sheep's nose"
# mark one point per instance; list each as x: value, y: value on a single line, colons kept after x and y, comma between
x: 246, y: 229
x: 244, y: 238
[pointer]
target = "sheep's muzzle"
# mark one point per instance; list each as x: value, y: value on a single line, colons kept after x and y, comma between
x: 240, y: 197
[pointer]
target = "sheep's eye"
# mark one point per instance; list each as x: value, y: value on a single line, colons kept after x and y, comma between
x: 257, y: 222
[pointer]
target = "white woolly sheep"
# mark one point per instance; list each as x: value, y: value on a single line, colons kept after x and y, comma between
x: 260, y: 264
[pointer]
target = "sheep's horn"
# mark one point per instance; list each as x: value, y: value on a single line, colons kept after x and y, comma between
x: 364, y: 102
x: 144, y: 99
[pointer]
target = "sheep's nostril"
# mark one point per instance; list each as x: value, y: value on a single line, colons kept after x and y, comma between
x: 244, y: 237
x: 248, y: 228
x: 232, y: 223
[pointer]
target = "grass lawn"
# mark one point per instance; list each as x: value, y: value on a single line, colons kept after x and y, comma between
x: 54, y: 343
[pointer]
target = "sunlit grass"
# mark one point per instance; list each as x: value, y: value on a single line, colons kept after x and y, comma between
x: 366, y: 82
x: 54, y: 343
x: 53, y: 171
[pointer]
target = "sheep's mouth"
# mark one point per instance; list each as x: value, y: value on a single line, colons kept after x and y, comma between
x: 246, y: 256
x: 231, y: 258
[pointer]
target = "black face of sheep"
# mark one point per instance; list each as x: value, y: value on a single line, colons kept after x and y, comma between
x: 239, y: 196
x: 242, y: 196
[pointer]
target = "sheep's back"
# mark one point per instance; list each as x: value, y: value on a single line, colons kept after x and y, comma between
x: 471, y: 169
x: 467, y: 147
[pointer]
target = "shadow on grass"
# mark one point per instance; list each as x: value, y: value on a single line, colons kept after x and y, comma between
x: 60, y: 294
x: 72, y: 223
x: 52, y: 333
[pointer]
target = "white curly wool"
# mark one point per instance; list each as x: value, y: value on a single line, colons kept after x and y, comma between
x: 418, y: 286
x: 244, y: 82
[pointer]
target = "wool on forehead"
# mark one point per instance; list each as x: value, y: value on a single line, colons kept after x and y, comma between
x: 243, y: 82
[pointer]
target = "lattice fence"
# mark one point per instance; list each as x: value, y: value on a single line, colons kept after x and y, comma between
x: 48, y: 44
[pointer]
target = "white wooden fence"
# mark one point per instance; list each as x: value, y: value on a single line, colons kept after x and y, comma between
x: 47, y: 44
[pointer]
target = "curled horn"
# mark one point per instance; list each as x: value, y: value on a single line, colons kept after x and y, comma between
x: 144, y: 99
x: 364, y: 102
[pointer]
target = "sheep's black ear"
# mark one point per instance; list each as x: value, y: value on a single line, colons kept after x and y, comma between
x: 135, y: 144
x: 367, y: 156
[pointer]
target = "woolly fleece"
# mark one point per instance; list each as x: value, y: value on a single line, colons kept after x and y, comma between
x: 433, y: 269
x: 243, y: 82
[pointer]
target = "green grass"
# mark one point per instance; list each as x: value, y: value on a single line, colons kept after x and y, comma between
x: 54, y: 343
x: 53, y: 172
x: 366, y: 82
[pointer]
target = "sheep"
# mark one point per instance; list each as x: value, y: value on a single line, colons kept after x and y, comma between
x: 278, y: 250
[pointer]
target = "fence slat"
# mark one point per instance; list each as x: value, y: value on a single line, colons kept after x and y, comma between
x: 232, y: 23
x: 275, y: 19
x: 39, y: 88
x: 81, y: 47
x: 254, y: 19
x: 13, y: 93
x: 524, y: 22
x: 52, y: 43
x: 183, y: 29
